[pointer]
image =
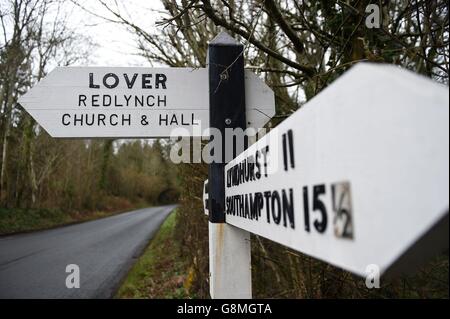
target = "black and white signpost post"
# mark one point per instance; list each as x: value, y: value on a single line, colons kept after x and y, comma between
x: 228, y: 246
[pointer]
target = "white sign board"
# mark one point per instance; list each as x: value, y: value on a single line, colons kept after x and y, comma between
x: 88, y: 102
x: 356, y: 176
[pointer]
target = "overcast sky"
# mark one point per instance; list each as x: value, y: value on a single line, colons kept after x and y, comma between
x: 115, y: 46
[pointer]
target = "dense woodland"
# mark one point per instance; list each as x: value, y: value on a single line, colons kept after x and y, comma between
x: 37, y: 171
x: 298, y: 47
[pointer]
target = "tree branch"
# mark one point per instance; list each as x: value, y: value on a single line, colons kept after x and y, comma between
x: 220, y: 21
x: 277, y: 16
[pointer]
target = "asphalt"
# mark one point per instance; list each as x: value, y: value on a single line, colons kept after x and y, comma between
x: 33, y: 265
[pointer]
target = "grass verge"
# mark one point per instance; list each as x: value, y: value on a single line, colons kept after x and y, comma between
x: 159, y: 273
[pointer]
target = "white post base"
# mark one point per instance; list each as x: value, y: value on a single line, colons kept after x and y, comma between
x: 230, y: 275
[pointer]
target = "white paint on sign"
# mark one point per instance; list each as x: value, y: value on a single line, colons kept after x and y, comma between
x: 353, y: 178
x: 83, y: 102
x: 205, y: 197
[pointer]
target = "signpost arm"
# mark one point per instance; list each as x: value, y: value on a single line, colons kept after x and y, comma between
x: 229, y: 247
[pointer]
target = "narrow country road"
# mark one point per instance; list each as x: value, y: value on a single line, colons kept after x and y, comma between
x: 33, y: 265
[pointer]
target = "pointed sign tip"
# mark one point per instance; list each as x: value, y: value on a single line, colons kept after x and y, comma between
x: 21, y: 100
x: 223, y: 38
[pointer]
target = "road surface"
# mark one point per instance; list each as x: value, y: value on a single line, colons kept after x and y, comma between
x: 34, y: 265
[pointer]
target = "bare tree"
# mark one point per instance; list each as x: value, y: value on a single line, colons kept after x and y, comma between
x: 34, y: 33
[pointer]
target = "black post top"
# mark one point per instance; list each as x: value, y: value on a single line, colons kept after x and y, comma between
x: 224, y: 39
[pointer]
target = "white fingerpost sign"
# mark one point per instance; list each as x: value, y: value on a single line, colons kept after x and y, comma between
x: 84, y: 102
x: 357, y: 176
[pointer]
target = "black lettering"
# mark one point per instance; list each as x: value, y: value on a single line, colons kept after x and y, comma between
x: 161, y: 100
x: 291, y: 147
x: 127, y: 99
x: 112, y: 85
x: 260, y: 202
x: 288, y: 140
x: 101, y: 118
x: 104, y: 100
x: 306, y: 208
x: 288, y: 208
x: 139, y: 101
x: 127, y: 119
x: 146, y: 81
x: 233, y: 206
x: 318, y: 205
x: 78, y: 120
x: 91, y: 82
x: 166, y: 120
x: 130, y: 83
x: 95, y: 100
x: 267, y: 197
x: 247, y: 210
x: 111, y: 120
x: 241, y: 206
x: 82, y: 98
x: 150, y: 98
x: 254, y: 209
x: 247, y: 170
x: 174, y: 120
x: 265, y: 152
x: 258, y: 165
x: 237, y: 173
x: 284, y: 152
x: 241, y: 173
x: 183, y: 122
x: 251, y: 167
x: 161, y: 80
x: 227, y: 205
x: 276, y: 203
x: 63, y: 121
x: 87, y: 119
x: 116, y: 104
